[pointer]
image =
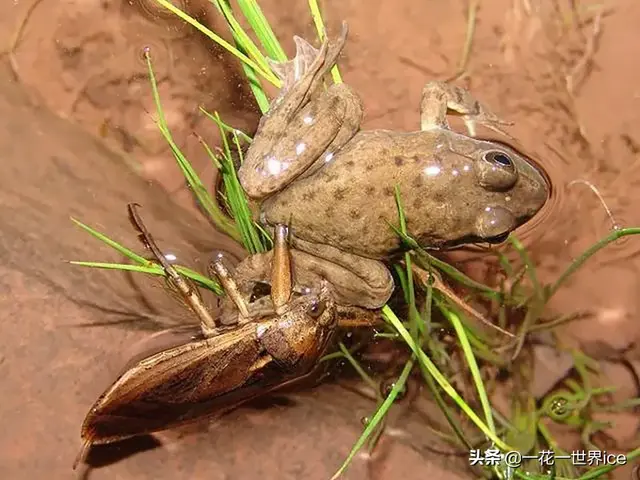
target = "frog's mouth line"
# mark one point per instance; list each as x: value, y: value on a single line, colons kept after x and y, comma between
x: 470, y: 240
x: 467, y: 241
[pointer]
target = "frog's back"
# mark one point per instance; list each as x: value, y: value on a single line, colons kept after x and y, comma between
x: 350, y: 202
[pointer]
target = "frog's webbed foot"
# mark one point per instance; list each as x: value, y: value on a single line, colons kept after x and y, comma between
x: 302, y: 75
x: 291, y: 71
x: 440, y: 97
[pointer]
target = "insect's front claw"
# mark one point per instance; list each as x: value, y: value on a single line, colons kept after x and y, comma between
x: 185, y: 288
x: 281, y: 275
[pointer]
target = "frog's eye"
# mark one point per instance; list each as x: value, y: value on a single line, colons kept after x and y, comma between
x: 316, y: 309
x: 496, y: 170
x: 499, y: 158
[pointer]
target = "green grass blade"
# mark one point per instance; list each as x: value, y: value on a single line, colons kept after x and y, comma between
x: 450, y: 416
x: 358, y: 368
x: 319, y: 23
x: 530, y: 267
x: 200, y: 191
x: 441, y: 380
x: 262, y: 28
x: 237, y: 200
x: 152, y: 270
x: 144, y: 265
x: 245, y: 44
x: 256, y: 88
x: 453, y: 272
x: 377, y: 417
x: 417, y: 325
x: 588, y: 253
x: 130, y: 254
x: 267, y: 75
x: 202, y: 280
x: 242, y: 39
x: 473, y: 367
x: 155, y: 269
x: 214, y: 117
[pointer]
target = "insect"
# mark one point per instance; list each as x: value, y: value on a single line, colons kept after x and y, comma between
x: 222, y: 366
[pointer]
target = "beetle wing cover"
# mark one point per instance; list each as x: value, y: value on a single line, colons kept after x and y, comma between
x: 177, y: 385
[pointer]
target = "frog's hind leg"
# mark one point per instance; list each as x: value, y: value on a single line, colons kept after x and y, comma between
x: 438, y: 98
x: 357, y: 281
x: 341, y: 113
x: 303, y: 75
x: 304, y: 124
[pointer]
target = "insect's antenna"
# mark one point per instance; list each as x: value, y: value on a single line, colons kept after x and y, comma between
x: 190, y: 295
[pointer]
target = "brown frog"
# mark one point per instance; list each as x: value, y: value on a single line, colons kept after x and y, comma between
x: 312, y: 168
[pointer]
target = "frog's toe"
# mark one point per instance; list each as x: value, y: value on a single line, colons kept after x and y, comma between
x: 305, y: 52
x: 285, y: 71
x: 291, y: 71
x: 489, y: 121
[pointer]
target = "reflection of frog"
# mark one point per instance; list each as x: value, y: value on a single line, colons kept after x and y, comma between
x: 312, y: 169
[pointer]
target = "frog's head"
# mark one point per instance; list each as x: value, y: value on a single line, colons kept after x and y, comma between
x: 505, y: 190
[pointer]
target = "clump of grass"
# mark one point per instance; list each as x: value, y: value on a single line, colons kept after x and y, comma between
x: 524, y: 430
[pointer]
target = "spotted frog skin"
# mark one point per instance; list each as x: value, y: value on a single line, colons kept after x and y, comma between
x: 312, y: 168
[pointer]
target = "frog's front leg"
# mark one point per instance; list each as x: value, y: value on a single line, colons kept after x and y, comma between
x: 440, y: 97
x: 303, y: 125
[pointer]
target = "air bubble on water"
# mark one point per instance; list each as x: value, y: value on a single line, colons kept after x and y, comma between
x: 170, y: 257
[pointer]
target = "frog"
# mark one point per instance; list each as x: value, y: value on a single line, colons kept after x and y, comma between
x: 311, y: 167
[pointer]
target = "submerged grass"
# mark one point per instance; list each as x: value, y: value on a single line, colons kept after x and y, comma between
x: 524, y: 431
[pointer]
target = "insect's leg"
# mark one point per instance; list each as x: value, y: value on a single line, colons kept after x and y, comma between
x: 281, y: 275
x: 230, y: 286
x: 190, y: 295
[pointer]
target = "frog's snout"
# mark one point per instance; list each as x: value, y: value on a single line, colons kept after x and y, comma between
x: 533, y: 190
x: 495, y: 223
